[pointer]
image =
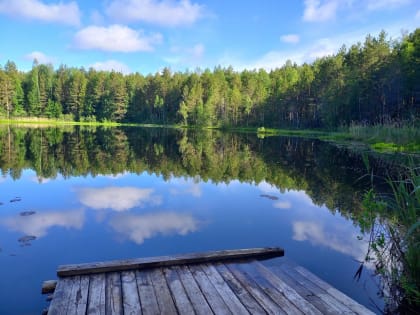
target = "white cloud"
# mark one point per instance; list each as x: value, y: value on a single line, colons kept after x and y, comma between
x: 115, y: 38
x: 319, y: 11
x: 140, y: 227
x: 193, y: 190
x: 290, y: 38
x: 117, y: 198
x: 418, y: 14
x: 163, y: 12
x: 282, y: 204
x: 340, y: 237
x: 40, y: 57
x: 96, y: 18
x: 191, y: 56
x: 326, y: 10
x: 111, y: 65
x: 385, y: 4
x: 39, y: 223
x: 321, y: 48
x: 276, y: 59
x: 63, y: 13
x: 197, y: 51
x: 267, y: 188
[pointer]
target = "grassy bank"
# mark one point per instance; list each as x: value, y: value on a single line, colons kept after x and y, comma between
x: 379, y: 138
x: 388, y: 138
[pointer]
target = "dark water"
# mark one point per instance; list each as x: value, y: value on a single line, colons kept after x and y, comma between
x: 80, y: 195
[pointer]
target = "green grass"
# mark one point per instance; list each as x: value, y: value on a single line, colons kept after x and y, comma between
x: 379, y: 138
x: 388, y: 138
x: 61, y: 122
x: 48, y: 121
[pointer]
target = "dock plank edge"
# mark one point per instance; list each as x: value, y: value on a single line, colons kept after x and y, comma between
x: 164, y: 261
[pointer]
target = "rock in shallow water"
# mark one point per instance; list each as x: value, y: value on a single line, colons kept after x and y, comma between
x: 27, y: 213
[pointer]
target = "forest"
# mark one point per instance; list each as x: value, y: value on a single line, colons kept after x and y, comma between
x: 369, y: 83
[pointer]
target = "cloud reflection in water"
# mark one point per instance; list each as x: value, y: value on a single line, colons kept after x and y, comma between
x: 39, y: 223
x: 140, y: 227
x: 193, y: 190
x: 282, y: 204
x: 338, y: 236
x: 117, y: 198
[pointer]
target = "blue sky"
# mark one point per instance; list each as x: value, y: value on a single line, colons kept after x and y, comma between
x: 146, y: 35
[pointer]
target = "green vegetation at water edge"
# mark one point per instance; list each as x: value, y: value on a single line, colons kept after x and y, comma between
x: 393, y: 222
x: 388, y: 137
x: 398, y: 139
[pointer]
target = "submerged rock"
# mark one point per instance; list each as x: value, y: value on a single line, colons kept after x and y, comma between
x: 26, y: 239
x: 27, y: 213
x: 270, y: 197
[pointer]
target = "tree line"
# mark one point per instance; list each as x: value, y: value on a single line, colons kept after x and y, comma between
x: 374, y: 82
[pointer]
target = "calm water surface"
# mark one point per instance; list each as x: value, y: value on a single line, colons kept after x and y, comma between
x: 73, y: 196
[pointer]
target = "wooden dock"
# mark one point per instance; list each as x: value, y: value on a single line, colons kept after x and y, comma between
x: 221, y: 282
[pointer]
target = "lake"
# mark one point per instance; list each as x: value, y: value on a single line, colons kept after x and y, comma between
x: 81, y: 194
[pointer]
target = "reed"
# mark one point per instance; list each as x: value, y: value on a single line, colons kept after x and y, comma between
x: 393, y: 220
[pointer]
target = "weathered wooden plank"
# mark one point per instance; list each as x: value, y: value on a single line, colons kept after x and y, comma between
x: 60, y: 301
x: 96, y: 299
x: 328, y: 300
x: 213, y: 297
x: 113, y: 294
x: 193, y: 291
x: 147, y: 294
x: 289, y: 293
x: 78, y: 296
x: 347, y: 301
x: 48, y: 286
x: 150, y: 262
x: 226, y: 293
x: 219, y: 284
x: 131, y: 301
x: 303, y: 290
x: 179, y: 295
x: 165, y: 301
x: 335, y: 305
x: 263, y: 299
x: 251, y: 272
x: 243, y: 295
x: 338, y: 295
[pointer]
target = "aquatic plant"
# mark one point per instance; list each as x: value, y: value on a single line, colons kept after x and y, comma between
x: 393, y: 222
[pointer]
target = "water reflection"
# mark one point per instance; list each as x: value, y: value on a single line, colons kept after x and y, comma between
x: 192, y: 190
x: 340, y: 236
x: 282, y: 204
x: 116, y: 176
x: 39, y: 223
x: 234, y: 184
x: 117, y: 198
x: 140, y: 227
x: 40, y: 180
